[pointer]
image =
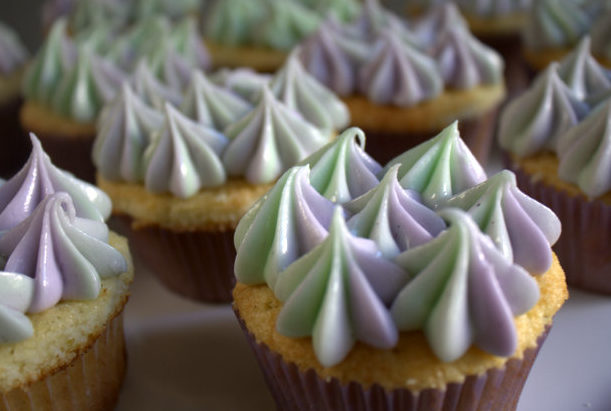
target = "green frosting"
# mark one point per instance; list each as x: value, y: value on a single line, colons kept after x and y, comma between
x: 285, y: 25
x: 231, y: 21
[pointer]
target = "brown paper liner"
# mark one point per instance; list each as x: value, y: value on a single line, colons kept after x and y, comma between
x: 584, y: 248
x: 296, y: 390
x: 476, y: 133
x: 92, y: 381
x: 195, y: 264
x: 15, y: 145
x: 70, y: 154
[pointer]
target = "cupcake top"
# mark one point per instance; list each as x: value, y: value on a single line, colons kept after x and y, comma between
x: 53, y: 243
x: 457, y: 268
x: 13, y: 53
x: 392, y: 61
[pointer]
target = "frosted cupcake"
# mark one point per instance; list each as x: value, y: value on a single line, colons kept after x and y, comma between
x: 182, y: 185
x: 556, y: 146
x: 64, y: 283
x: 12, y: 64
x: 389, y: 301
x: 403, y: 86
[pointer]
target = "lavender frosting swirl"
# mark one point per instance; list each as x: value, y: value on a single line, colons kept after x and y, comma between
x: 464, y: 292
x: 38, y: 179
x: 13, y: 53
x: 151, y: 90
x: 67, y: 256
x: 337, y: 294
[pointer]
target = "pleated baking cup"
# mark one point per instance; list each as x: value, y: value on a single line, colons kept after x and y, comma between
x: 91, y: 381
x: 296, y: 390
x: 194, y: 264
x: 584, y: 247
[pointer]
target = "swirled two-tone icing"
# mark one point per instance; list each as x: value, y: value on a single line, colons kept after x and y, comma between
x: 124, y: 131
x: 463, y: 291
x: 65, y: 255
x: 302, y: 92
x: 282, y: 226
x: 13, y: 53
x: 212, y: 105
x: 269, y: 140
x: 38, y: 179
x: 152, y: 91
x: 245, y: 82
x: 338, y: 293
x: 284, y: 24
x: 521, y: 228
x: 343, y: 10
x: 231, y: 22
x: 439, y: 168
x: 534, y: 120
x: 342, y: 170
x: 393, y: 217
x: 555, y: 23
x: 183, y: 156
x: 139, y: 41
x: 16, y: 293
x: 584, y: 152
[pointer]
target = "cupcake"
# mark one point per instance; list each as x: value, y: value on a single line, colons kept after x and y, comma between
x: 12, y: 64
x: 555, y: 142
x: 64, y: 283
x: 240, y: 33
x: 401, y: 298
x: 403, y: 86
x: 181, y: 186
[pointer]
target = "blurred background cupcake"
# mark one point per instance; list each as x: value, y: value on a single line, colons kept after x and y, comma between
x: 13, y: 59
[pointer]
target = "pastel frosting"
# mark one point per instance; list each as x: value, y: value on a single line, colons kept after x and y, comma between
x: 521, y: 228
x: 13, y: 53
x: 244, y: 82
x: 283, y: 225
x: 124, y: 132
x: 342, y: 170
x: 534, y: 120
x: 269, y: 140
x: 493, y: 8
x: 393, y: 217
x: 439, y: 168
x: 183, y: 156
x: 38, y: 179
x: 339, y: 293
x: 212, y: 105
x: 584, y: 152
x: 154, y: 92
x: 301, y: 91
x: 555, y: 24
x: 16, y: 293
x: 463, y: 291
x: 65, y: 255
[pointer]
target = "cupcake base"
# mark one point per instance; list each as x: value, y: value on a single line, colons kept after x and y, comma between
x: 261, y: 59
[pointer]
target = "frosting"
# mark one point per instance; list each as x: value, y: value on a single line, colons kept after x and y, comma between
x: 65, y: 255
x: 437, y: 20
x: 463, y: 292
x: 269, y: 140
x: 494, y: 8
x: 521, y: 228
x: 585, y: 152
x: 338, y: 293
x: 171, y: 8
x: 13, y: 54
x: 183, y: 157
x: 299, y: 90
x: 56, y: 56
x: 83, y: 91
x: 555, y: 23
x: 399, y: 74
x: 342, y: 170
x: 212, y: 105
x: 464, y: 61
x: 124, y: 131
x: 439, y: 168
x: 38, y: 179
x: 393, y: 217
x: 534, y: 120
x: 16, y: 292
x: 152, y: 91
x: 140, y: 41
x: 231, y: 22
x: 85, y: 14
x: 245, y: 82
x: 280, y: 227
x: 343, y: 10
x: 582, y: 73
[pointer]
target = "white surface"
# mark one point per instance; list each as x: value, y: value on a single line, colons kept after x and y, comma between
x: 188, y: 356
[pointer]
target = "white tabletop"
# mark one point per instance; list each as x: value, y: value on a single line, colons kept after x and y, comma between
x: 189, y: 356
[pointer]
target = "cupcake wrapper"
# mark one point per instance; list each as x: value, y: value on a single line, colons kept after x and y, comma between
x: 90, y: 382
x: 295, y: 390
x: 583, y: 248
x: 195, y: 264
x: 476, y: 133
x: 71, y: 154
x: 15, y: 145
